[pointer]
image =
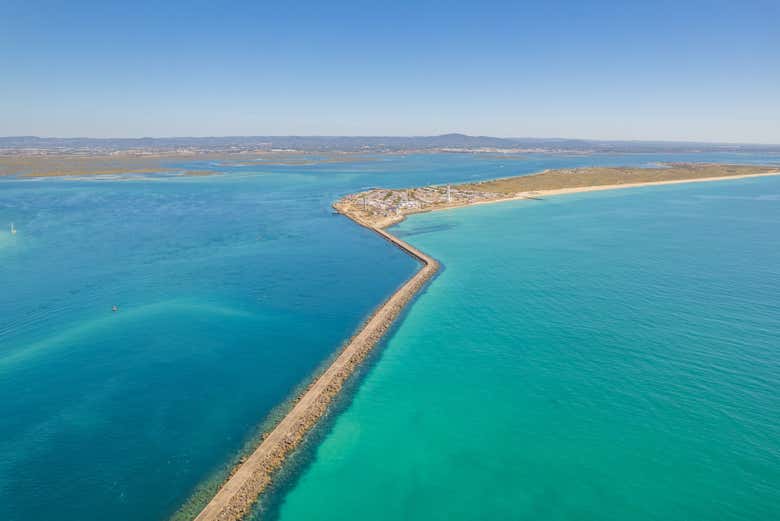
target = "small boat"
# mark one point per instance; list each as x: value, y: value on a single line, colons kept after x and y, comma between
x: 13, y: 230
x: 114, y: 308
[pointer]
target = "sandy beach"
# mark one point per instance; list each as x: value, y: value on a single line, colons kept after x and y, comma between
x: 382, y: 208
x: 237, y: 496
x: 565, y: 191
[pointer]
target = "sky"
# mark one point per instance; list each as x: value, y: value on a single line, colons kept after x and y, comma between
x: 623, y: 69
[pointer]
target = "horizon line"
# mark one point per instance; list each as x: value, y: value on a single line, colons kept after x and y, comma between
x: 402, y: 136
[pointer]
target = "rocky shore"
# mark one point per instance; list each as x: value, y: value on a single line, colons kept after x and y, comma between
x: 237, y: 496
x: 377, y: 209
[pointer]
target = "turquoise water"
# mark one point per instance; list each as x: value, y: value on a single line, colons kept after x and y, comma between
x: 232, y: 290
x: 595, y: 356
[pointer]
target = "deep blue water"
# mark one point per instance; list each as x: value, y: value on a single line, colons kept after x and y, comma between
x: 231, y: 290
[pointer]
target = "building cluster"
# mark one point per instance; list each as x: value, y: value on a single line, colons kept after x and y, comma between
x: 389, y: 203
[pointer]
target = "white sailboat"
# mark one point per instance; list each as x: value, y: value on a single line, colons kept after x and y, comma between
x: 13, y: 230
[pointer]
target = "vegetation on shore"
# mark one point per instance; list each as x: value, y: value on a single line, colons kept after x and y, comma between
x: 53, y: 165
x: 600, y: 176
x: 383, y: 207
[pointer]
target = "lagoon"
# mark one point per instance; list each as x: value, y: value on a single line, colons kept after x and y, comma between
x: 232, y: 291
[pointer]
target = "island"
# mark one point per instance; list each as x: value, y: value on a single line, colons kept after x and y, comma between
x: 383, y: 207
x: 378, y: 208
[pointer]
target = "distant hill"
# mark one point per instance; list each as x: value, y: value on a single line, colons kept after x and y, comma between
x: 462, y: 142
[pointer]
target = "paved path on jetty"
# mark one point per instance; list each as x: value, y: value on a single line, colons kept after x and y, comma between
x: 237, y: 496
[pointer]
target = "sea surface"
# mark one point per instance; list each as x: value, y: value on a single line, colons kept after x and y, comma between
x: 603, y: 356
x: 594, y: 355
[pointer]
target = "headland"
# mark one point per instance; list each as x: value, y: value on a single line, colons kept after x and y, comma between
x: 376, y: 209
x: 384, y: 207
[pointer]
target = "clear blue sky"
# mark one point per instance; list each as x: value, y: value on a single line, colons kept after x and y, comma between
x: 679, y: 70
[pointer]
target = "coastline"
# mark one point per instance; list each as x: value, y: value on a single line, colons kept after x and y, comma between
x: 375, y: 219
x: 238, y: 494
x: 599, y: 188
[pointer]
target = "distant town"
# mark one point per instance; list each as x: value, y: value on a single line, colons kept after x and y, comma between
x: 446, y: 143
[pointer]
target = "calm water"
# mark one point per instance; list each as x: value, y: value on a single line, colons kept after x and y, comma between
x: 601, y: 356
x: 233, y: 289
